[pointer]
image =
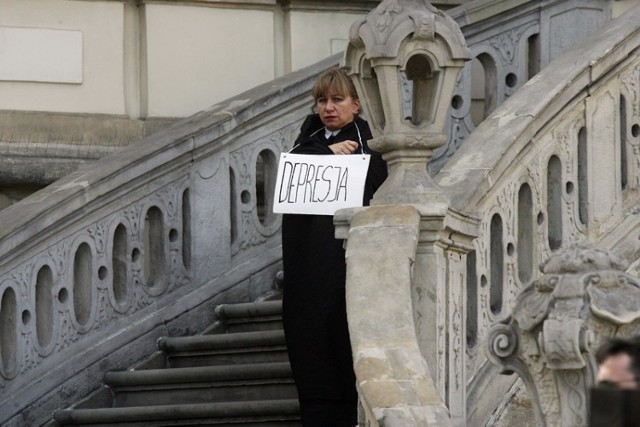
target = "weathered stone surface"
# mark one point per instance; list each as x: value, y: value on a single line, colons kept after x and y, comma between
x: 557, y: 324
x: 522, y: 173
x: 401, y: 38
x: 393, y: 378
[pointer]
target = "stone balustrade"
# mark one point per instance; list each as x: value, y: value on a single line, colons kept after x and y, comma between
x: 510, y: 41
x: 97, y: 266
x: 445, y: 286
x: 558, y: 162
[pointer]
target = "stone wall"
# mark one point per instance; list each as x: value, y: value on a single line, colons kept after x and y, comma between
x: 159, y: 58
x: 134, y: 81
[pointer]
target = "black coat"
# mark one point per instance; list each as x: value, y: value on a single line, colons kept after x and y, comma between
x: 314, y: 310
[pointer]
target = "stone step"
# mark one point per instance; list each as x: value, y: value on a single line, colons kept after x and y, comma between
x: 262, y: 413
x: 224, y: 349
x: 247, y: 382
x: 237, y: 374
x: 246, y: 317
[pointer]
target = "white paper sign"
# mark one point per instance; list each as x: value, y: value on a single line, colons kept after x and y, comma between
x: 319, y: 184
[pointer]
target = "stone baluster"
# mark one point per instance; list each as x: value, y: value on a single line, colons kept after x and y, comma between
x: 557, y: 324
x: 414, y: 292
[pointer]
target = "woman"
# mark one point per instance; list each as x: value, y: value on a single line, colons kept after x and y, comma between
x: 314, y: 308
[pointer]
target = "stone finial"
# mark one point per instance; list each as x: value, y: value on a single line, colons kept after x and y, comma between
x: 557, y: 323
x: 406, y: 41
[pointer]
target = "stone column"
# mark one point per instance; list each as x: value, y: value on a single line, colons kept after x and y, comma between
x: 439, y: 299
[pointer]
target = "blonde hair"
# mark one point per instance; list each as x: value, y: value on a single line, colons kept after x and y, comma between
x: 337, y: 80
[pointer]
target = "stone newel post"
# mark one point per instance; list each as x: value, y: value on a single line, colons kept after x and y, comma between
x: 406, y: 264
x: 406, y: 38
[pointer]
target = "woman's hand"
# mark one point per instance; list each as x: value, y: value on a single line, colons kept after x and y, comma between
x: 344, y: 147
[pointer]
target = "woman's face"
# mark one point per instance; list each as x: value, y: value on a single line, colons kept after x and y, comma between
x: 336, y: 110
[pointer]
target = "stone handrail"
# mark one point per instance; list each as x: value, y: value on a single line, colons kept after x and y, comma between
x: 558, y: 162
x: 95, y: 267
x: 510, y: 49
x: 394, y: 381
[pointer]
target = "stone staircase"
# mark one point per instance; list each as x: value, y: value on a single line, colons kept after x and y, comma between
x: 236, y: 373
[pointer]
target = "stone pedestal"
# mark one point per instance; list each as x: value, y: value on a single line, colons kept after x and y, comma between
x: 406, y: 300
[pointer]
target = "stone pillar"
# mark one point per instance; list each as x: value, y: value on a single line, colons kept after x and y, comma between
x: 603, y: 162
x: 439, y: 299
x: 208, y: 194
x: 557, y: 324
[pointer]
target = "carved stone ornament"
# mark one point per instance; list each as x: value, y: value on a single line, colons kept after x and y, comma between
x: 406, y: 45
x: 384, y: 29
x: 587, y: 272
x: 557, y: 324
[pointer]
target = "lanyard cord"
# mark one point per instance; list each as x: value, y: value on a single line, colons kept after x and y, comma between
x: 294, y: 147
x: 359, y: 138
x: 357, y: 130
